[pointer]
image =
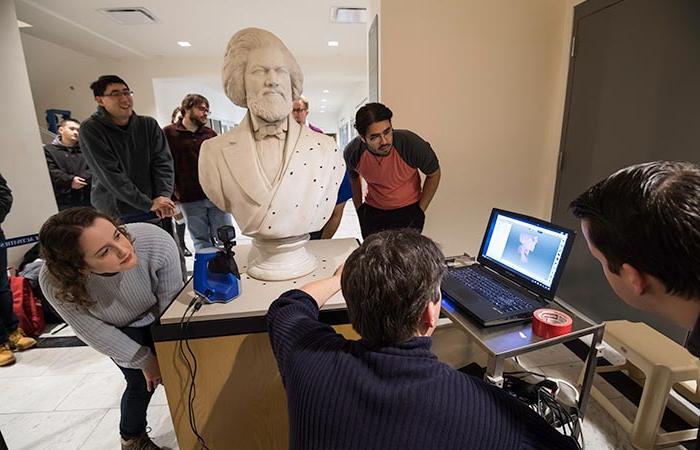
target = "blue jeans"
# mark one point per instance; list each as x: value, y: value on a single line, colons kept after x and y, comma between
x: 203, y: 219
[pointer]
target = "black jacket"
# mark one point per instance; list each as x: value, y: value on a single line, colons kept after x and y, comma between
x: 64, y: 164
x: 130, y: 166
x: 5, y: 199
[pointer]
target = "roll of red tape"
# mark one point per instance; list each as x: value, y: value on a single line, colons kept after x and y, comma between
x: 548, y: 323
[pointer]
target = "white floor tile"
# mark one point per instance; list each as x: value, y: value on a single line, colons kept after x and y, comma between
x: 556, y: 354
x: 106, y: 433
x: 83, y: 360
x: 50, y: 430
x: 33, y: 362
x: 98, y: 390
x: 36, y: 394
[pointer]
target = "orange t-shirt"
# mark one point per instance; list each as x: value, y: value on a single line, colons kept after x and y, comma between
x: 391, y: 183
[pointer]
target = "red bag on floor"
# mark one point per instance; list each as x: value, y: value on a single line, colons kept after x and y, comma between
x: 26, y: 307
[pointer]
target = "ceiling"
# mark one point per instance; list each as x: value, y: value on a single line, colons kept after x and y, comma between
x: 304, y: 26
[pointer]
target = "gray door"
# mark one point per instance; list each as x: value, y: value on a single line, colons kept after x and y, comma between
x: 633, y: 95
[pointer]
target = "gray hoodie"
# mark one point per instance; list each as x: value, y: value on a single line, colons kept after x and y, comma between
x: 131, y: 165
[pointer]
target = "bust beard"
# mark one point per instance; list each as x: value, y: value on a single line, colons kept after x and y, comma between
x: 270, y: 108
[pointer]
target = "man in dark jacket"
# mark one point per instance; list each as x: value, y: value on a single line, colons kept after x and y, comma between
x: 388, y: 390
x: 12, y: 337
x: 128, y: 155
x: 70, y: 176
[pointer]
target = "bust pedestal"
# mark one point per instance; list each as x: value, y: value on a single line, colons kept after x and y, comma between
x: 280, y: 259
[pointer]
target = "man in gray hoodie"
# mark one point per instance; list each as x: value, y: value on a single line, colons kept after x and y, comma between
x: 128, y: 154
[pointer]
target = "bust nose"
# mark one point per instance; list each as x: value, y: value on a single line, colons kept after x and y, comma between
x: 272, y: 78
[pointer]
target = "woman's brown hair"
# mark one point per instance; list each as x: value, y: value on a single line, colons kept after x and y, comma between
x: 63, y: 256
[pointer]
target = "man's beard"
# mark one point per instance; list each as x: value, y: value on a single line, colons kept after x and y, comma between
x: 270, y: 108
x: 198, y: 121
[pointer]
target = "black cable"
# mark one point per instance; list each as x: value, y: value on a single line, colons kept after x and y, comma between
x: 194, y: 306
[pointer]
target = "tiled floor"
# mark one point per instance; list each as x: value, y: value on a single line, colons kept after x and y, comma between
x: 68, y: 398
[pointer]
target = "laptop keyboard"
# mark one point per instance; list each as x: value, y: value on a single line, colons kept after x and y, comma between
x: 502, y: 299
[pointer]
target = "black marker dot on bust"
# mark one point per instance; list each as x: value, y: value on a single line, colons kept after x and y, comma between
x: 273, y: 213
x: 270, y: 227
x: 291, y: 173
x: 314, y: 180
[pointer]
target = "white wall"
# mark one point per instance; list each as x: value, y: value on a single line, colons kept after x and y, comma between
x: 22, y: 159
x: 484, y: 83
x: 170, y: 92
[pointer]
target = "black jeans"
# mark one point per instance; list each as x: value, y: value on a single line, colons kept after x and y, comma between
x: 373, y: 220
x: 8, y: 319
x: 136, y: 397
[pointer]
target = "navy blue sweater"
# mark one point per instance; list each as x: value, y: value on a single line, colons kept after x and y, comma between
x: 344, y: 395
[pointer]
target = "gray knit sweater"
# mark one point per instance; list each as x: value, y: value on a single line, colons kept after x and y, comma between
x: 134, y: 298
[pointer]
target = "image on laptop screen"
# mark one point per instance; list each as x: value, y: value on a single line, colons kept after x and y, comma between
x: 527, y: 248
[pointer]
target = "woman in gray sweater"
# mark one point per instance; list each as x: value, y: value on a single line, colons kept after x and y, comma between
x: 110, y: 283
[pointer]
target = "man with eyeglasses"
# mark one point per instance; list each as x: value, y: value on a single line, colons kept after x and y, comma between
x: 389, y: 160
x: 128, y: 155
x: 185, y: 138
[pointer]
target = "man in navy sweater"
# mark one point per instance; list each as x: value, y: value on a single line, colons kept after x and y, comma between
x: 388, y: 390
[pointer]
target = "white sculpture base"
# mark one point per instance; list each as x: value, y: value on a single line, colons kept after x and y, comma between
x: 280, y: 259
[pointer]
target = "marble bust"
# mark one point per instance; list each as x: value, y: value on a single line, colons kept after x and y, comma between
x: 279, y: 179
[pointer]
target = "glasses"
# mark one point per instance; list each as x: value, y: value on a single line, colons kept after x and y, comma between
x: 117, y: 94
x: 298, y: 110
x: 204, y: 109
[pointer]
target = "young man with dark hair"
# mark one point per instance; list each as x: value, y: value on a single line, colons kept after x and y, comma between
x: 127, y: 153
x: 185, y: 138
x: 642, y: 224
x: 388, y: 390
x: 70, y: 175
x: 389, y: 161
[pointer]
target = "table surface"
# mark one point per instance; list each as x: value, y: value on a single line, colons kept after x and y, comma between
x: 513, y: 338
x: 256, y: 295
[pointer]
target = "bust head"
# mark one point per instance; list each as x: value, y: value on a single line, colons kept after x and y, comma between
x: 261, y: 74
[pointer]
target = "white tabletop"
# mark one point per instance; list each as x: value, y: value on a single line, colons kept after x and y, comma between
x: 256, y: 296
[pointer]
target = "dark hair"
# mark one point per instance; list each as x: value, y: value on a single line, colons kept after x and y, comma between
x: 63, y: 256
x: 63, y: 122
x: 648, y: 216
x: 100, y: 85
x: 388, y: 282
x: 174, y: 114
x: 192, y: 100
x: 369, y: 114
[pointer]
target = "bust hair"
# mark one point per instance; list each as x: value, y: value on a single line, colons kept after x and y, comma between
x: 236, y: 61
x: 64, y: 259
x: 388, y: 282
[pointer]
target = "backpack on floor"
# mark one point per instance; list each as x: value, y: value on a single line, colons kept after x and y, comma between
x: 26, y: 307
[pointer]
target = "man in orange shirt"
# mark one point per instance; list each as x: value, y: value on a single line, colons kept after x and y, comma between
x: 389, y: 161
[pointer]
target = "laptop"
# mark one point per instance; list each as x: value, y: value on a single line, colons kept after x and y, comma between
x: 518, y: 268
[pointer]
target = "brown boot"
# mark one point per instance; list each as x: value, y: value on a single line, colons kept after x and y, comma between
x: 19, y: 341
x: 6, y: 356
x: 142, y: 442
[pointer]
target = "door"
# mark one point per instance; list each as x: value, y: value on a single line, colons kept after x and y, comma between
x: 633, y: 95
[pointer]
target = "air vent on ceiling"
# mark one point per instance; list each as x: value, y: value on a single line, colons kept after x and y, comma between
x: 134, y: 15
x: 348, y: 15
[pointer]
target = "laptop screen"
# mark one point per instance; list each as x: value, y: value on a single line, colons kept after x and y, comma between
x: 530, y: 249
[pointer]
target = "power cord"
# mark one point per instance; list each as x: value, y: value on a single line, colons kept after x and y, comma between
x: 542, y: 398
x: 194, y: 306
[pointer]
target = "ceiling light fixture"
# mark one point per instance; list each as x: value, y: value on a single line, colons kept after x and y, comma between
x: 21, y: 24
x: 324, y: 100
x: 184, y: 44
x: 333, y: 43
x: 326, y: 91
